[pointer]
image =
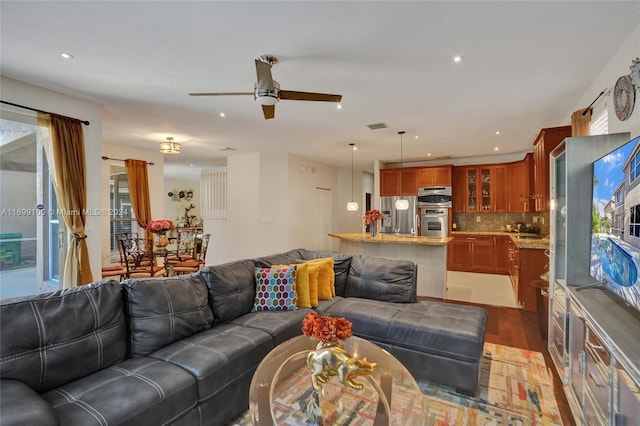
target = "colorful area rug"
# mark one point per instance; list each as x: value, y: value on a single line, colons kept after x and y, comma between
x: 516, y: 388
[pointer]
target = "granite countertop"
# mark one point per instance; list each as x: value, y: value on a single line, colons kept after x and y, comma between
x: 392, y: 239
x: 535, y: 243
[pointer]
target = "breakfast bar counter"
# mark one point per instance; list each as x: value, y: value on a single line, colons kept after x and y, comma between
x: 429, y: 253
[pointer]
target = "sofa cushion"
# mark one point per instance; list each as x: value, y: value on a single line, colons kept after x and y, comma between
x: 53, y: 338
x: 275, y: 289
x: 341, y: 264
x: 378, y: 278
x: 219, y: 356
x: 445, y: 329
x: 288, y: 257
x: 232, y: 289
x: 162, y: 310
x: 136, y: 392
x: 21, y: 405
x: 281, y: 326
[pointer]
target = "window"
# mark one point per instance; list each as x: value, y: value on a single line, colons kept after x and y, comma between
x: 600, y: 122
x: 634, y: 221
x: 122, y: 218
x: 32, y: 239
x: 634, y: 168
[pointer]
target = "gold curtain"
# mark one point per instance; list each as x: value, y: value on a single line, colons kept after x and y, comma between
x: 580, y: 123
x: 68, y: 174
x: 138, y: 179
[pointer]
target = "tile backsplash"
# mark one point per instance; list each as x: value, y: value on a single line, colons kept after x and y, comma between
x: 498, y: 221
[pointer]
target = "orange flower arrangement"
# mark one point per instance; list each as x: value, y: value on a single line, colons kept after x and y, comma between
x: 326, y: 329
x: 372, y: 216
x: 160, y: 226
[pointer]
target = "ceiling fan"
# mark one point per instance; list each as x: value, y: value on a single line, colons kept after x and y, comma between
x: 267, y: 91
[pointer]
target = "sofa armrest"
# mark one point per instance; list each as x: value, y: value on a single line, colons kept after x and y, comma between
x: 20, y: 406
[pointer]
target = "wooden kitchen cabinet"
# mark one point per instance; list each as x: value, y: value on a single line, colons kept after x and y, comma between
x: 478, y: 189
x: 499, y: 188
x: 502, y: 255
x: 520, y: 179
x: 526, y: 266
x: 459, y: 179
x: 398, y: 182
x: 434, y: 176
x: 471, y: 253
x: 547, y: 140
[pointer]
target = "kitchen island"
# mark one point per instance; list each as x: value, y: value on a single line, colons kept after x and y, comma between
x: 429, y: 253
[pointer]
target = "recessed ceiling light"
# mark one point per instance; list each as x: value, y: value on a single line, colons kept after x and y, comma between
x: 417, y: 137
x: 66, y: 55
x: 496, y: 148
x: 428, y: 154
x: 457, y: 59
x: 339, y: 106
x: 222, y: 114
x: 190, y: 165
x: 498, y: 132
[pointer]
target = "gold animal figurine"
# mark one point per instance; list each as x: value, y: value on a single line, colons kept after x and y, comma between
x: 336, y: 361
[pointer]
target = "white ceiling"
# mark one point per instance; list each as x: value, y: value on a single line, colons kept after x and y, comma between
x: 525, y: 66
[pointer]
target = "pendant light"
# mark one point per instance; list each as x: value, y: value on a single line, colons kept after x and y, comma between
x: 170, y: 147
x: 401, y: 203
x: 352, y: 206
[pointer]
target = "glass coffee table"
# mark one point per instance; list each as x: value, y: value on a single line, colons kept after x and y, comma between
x: 281, y: 392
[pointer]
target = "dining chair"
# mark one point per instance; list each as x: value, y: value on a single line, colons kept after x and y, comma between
x: 140, y: 260
x: 184, y: 241
x: 198, y: 260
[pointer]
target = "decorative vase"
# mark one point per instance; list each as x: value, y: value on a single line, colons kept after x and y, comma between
x: 161, y: 240
x: 373, y: 229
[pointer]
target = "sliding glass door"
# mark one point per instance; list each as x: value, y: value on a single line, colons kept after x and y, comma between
x: 31, y: 236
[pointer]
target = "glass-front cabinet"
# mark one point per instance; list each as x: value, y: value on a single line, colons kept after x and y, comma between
x: 478, y: 188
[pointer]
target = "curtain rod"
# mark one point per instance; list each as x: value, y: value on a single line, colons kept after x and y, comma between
x: 85, y: 122
x: 104, y: 157
x: 594, y: 101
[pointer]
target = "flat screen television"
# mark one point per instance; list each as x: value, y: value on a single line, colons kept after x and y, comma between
x: 615, y: 236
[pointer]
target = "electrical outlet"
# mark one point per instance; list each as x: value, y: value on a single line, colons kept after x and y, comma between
x: 542, y: 220
x: 535, y: 219
x: 477, y: 218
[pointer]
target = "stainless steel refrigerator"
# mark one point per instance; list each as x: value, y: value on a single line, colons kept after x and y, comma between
x: 399, y: 221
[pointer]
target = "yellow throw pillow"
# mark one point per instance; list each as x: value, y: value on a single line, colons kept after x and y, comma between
x: 302, y: 284
x: 313, y: 284
x: 326, y: 278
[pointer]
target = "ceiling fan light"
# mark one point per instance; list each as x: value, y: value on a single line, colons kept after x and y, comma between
x: 352, y: 206
x: 267, y: 100
x: 402, y: 204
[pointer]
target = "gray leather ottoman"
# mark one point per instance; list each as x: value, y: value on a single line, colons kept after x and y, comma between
x: 437, y: 341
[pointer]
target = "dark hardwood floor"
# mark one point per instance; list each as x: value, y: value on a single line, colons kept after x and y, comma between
x: 519, y: 328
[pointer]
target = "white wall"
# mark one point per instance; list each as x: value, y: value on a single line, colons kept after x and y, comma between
x: 46, y: 100
x: 269, y: 205
x: 174, y: 209
x: 616, y: 67
x: 156, y: 187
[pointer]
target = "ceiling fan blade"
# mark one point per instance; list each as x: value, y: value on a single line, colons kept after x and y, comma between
x: 221, y: 94
x: 269, y: 111
x: 308, y: 96
x: 263, y: 69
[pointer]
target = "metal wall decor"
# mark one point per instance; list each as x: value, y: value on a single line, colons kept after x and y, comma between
x: 624, y: 97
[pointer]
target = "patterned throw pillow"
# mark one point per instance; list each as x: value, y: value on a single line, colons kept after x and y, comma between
x: 275, y: 289
x: 303, y: 299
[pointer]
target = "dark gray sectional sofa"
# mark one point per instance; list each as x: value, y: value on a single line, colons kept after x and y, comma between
x: 183, y: 350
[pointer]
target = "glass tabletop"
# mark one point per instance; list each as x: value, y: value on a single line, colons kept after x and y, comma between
x: 281, y: 392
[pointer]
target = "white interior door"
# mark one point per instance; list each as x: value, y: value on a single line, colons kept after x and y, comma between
x: 322, y: 218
